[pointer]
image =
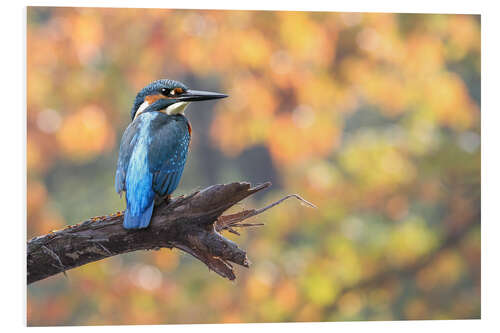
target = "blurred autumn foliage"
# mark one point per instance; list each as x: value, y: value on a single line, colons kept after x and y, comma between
x: 375, y: 118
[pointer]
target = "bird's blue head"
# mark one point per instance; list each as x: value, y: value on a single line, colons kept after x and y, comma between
x: 168, y: 96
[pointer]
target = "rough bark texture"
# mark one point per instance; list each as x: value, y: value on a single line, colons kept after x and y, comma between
x: 191, y: 224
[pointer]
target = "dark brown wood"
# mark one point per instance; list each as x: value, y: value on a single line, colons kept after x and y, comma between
x: 191, y: 224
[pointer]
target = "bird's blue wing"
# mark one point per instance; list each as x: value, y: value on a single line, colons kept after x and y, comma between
x: 133, y: 175
x: 127, y: 145
x: 168, y: 153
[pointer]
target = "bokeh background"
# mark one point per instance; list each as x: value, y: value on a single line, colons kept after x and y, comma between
x: 375, y: 118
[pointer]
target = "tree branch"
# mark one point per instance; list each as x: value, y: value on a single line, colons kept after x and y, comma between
x: 191, y: 224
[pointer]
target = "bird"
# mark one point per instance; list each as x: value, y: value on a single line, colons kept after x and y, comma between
x: 154, y: 147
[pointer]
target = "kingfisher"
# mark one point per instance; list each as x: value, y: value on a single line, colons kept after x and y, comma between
x: 153, y: 148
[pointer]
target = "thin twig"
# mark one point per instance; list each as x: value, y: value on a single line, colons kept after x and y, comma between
x: 296, y: 196
x: 228, y: 222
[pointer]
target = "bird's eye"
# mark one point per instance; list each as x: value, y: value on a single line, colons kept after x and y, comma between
x: 164, y: 91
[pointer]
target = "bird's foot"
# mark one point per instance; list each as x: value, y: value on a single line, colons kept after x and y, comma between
x: 160, y: 199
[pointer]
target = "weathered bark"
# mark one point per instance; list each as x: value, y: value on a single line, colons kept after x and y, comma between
x: 191, y: 224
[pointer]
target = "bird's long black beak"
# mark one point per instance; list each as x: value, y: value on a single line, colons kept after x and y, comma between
x: 197, y: 95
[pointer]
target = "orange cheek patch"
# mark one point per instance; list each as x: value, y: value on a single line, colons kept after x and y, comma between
x: 153, y: 98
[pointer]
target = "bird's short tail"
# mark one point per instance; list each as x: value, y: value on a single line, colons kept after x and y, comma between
x: 138, y: 221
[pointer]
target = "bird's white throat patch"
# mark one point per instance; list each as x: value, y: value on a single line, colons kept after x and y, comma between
x: 176, y: 108
x: 141, y: 108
